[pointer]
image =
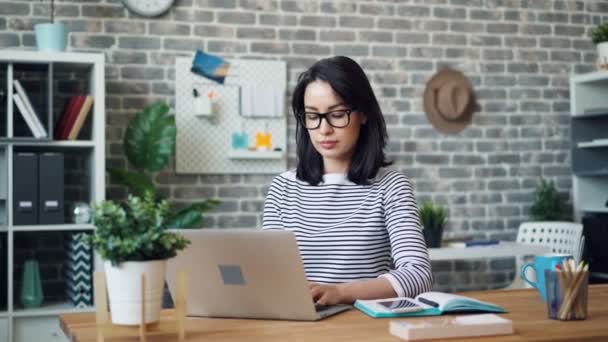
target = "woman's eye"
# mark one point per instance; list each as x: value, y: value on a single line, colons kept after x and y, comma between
x: 312, y: 117
x: 338, y: 115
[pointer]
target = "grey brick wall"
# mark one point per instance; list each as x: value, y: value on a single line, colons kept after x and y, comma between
x: 518, y: 53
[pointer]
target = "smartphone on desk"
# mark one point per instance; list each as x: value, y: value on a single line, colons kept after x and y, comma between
x: 400, y: 305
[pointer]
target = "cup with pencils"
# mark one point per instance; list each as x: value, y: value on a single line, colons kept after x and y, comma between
x: 566, y: 287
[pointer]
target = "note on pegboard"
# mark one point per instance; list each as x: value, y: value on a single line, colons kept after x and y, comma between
x: 204, y: 143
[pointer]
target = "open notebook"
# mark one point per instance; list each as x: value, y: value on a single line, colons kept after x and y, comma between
x: 432, y: 303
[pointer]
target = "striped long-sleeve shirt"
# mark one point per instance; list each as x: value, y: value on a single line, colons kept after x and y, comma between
x: 348, y: 232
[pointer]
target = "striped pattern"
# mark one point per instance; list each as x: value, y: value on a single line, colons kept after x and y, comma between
x: 349, y: 232
x: 78, y: 271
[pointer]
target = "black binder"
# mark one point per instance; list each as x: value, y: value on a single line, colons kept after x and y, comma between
x: 25, y: 188
x: 50, y: 188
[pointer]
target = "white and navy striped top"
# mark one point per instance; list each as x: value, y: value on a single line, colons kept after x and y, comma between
x: 349, y: 232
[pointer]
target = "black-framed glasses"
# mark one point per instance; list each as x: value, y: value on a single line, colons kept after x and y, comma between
x: 336, y: 118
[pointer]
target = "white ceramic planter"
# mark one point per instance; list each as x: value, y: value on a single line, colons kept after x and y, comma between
x: 124, y: 290
x: 602, y: 53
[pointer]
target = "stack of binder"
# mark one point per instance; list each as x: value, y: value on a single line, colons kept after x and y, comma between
x: 38, y: 188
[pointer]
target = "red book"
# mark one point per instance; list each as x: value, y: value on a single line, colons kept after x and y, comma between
x: 61, y: 122
x: 70, y: 117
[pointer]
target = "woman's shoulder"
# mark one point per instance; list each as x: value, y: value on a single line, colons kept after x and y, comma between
x: 388, y: 175
x: 285, y: 177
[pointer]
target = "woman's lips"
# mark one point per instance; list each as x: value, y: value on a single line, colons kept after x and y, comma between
x: 328, y: 144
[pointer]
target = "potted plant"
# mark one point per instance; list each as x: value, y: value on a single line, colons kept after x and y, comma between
x: 132, y: 239
x: 51, y: 36
x: 149, y: 144
x: 548, y: 205
x: 599, y: 36
x: 433, y: 218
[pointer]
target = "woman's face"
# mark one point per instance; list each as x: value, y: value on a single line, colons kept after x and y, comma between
x: 336, y: 145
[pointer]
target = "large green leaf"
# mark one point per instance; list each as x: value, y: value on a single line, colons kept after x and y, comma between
x: 137, y: 183
x: 150, y: 138
x: 192, y: 215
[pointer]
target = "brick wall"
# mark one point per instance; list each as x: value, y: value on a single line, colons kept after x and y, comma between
x: 518, y: 53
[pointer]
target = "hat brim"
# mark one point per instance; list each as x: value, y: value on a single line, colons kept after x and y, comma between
x: 430, y: 102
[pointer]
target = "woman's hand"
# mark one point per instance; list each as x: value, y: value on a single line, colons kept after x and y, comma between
x: 328, y: 294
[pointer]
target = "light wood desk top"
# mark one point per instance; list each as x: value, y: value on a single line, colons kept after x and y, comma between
x: 526, y: 309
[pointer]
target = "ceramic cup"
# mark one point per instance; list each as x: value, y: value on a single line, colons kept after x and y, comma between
x: 539, y: 265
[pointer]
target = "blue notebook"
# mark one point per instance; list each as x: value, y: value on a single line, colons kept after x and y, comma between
x: 426, y: 304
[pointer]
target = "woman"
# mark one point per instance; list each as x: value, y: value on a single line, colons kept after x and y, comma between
x: 356, y: 222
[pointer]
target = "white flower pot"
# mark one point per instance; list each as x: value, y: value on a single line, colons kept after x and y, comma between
x: 602, y: 53
x: 124, y: 290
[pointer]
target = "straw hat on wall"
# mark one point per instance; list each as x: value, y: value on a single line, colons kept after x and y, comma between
x: 449, y: 101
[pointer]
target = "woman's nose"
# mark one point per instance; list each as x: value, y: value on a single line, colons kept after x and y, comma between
x: 325, y: 127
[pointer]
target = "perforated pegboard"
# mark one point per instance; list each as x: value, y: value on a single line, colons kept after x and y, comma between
x: 204, y: 143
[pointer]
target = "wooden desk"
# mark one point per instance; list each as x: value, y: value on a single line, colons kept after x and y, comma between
x: 526, y: 309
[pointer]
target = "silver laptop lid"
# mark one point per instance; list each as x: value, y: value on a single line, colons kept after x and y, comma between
x: 244, y: 274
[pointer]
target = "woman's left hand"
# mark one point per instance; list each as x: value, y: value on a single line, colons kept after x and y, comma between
x: 327, y: 294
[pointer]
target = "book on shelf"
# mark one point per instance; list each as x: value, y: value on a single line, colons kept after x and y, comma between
x: 40, y: 132
x: 429, y: 304
x: 28, y: 119
x: 451, y: 327
x: 73, y: 117
x: 80, y: 118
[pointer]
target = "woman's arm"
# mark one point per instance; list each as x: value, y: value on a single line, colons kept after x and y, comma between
x: 347, y: 293
x: 271, y: 218
x: 412, y: 274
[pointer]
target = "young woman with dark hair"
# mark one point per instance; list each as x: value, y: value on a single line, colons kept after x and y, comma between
x: 355, y: 220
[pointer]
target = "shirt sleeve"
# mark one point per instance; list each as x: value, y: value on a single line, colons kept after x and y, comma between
x: 412, y: 274
x: 272, y: 206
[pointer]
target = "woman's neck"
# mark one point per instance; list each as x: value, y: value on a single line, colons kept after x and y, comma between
x: 335, y: 166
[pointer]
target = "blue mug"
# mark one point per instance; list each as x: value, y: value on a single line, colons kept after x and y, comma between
x: 540, y: 264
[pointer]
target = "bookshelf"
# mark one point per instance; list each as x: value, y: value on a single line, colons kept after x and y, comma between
x: 589, y: 129
x: 50, y: 80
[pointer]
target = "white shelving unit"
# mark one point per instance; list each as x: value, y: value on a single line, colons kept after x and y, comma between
x: 41, y: 324
x: 589, y: 111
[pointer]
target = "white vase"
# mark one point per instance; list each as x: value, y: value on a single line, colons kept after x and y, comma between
x: 602, y: 53
x: 124, y: 290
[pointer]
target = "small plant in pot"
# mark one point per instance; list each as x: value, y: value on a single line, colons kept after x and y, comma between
x: 433, y: 218
x: 599, y: 36
x: 132, y: 238
x: 51, y: 37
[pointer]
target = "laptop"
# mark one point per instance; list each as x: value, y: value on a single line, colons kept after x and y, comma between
x: 245, y: 274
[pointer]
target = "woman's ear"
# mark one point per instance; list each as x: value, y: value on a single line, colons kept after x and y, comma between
x: 363, y: 118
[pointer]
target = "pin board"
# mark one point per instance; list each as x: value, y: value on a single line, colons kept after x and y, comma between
x: 239, y: 126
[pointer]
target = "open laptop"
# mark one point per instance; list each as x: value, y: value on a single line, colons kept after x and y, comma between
x: 245, y: 274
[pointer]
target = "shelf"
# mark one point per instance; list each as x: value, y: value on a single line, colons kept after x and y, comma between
x: 51, y: 310
x: 595, y: 210
x: 597, y: 115
x: 47, y: 142
x: 592, y: 77
x: 53, y: 227
x: 256, y: 154
x: 35, y: 56
x: 597, y: 143
x: 594, y: 173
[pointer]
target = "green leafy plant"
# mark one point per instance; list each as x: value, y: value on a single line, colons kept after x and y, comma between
x: 433, y: 218
x: 134, y: 231
x: 599, y: 34
x: 548, y: 205
x: 149, y: 144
